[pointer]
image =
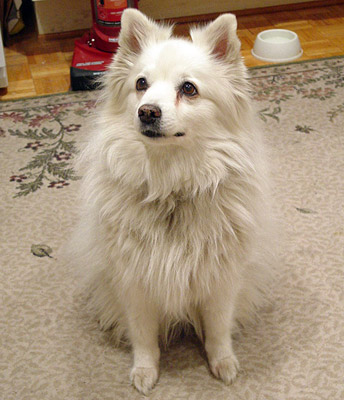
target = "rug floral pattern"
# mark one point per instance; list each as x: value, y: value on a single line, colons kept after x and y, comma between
x: 48, y: 136
x: 49, y: 347
x: 280, y: 84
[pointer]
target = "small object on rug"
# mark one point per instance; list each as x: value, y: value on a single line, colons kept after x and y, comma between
x: 41, y: 250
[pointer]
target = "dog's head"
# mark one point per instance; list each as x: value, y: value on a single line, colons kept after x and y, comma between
x: 177, y: 91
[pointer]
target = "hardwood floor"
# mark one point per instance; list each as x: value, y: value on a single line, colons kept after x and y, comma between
x: 39, y: 65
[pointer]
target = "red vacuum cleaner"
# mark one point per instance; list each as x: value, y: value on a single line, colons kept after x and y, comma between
x: 93, y: 52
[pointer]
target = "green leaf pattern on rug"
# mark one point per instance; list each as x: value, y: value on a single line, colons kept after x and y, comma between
x: 49, y: 138
x: 41, y: 250
x: 305, y: 210
x: 272, y: 114
x: 304, y: 129
x: 335, y: 112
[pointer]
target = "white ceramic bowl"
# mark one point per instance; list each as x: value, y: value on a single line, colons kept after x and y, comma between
x: 277, y: 45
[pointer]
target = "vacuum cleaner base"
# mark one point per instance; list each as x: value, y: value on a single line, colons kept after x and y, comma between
x: 88, y: 64
x: 83, y: 79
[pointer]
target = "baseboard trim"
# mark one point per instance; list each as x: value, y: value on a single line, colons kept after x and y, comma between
x: 62, y: 35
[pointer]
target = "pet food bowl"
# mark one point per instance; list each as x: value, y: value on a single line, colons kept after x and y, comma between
x: 277, y: 45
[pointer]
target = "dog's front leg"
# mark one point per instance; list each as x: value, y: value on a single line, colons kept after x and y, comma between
x: 143, y: 326
x: 217, y: 316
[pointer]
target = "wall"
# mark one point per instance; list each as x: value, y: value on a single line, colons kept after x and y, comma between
x: 181, y: 8
x: 62, y: 15
x: 68, y: 15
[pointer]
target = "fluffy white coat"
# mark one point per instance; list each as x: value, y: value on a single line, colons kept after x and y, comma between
x: 173, y: 228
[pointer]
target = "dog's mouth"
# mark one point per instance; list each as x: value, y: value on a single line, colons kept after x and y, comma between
x: 156, y: 134
x: 152, y: 134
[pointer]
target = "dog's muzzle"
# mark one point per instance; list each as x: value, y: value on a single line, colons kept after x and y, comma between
x: 150, y: 117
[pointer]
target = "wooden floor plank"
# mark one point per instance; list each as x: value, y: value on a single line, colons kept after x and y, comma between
x: 19, y: 89
x: 60, y: 83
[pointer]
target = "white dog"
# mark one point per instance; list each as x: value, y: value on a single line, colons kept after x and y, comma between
x: 174, y: 190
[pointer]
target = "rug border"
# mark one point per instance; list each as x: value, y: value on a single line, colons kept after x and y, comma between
x: 249, y: 68
x: 46, y: 96
x: 295, y: 62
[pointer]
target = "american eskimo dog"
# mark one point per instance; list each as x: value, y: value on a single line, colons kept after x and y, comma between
x: 174, y: 189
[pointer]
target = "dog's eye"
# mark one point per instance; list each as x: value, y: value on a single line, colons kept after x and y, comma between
x: 189, y: 89
x: 141, y: 84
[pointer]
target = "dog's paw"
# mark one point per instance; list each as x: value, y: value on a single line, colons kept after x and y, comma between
x: 144, y: 379
x: 225, y: 369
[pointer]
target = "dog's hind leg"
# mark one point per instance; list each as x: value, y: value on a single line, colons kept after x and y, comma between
x: 217, y: 316
x: 143, y: 331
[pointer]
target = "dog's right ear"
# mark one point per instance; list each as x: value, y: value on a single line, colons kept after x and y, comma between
x: 137, y: 31
x: 219, y: 37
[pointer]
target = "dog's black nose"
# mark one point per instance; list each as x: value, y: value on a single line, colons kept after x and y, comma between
x: 148, y: 113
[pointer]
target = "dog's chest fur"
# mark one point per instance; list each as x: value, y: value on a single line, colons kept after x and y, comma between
x: 178, y: 248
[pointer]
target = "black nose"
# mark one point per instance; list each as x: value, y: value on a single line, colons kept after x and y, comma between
x: 149, y: 113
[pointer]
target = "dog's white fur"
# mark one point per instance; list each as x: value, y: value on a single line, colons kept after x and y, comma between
x: 173, y: 228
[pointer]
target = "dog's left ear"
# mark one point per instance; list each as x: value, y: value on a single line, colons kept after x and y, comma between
x: 219, y: 37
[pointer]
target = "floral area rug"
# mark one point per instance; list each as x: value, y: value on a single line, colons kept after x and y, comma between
x: 48, y: 347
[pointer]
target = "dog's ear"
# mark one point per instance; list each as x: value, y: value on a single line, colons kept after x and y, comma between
x: 219, y: 37
x: 137, y: 31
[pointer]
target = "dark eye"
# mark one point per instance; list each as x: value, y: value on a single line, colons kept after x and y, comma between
x: 189, y: 89
x: 141, y: 84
